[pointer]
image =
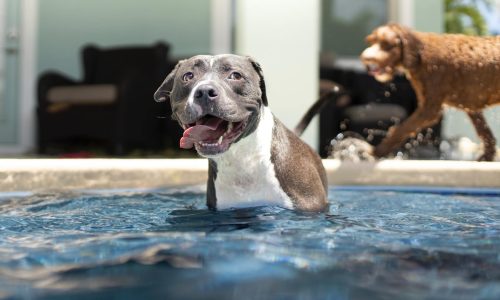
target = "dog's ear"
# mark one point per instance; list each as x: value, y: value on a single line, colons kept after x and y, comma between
x: 262, y: 83
x: 162, y: 94
x: 371, y: 39
x: 410, y: 45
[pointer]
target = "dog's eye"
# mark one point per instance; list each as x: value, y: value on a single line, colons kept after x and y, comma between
x: 188, y: 76
x: 386, y: 45
x: 235, y: 76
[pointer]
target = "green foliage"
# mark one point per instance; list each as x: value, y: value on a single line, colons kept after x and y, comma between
x: 464, y: 17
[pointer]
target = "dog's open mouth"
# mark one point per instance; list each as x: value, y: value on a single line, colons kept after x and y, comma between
x: 375, y: 69
x: 381, y: 73
x: 211, y: 135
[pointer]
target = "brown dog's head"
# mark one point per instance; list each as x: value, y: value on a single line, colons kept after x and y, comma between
x: 392, y: 47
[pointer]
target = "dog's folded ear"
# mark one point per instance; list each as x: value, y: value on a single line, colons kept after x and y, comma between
x: 410, y: 45
x: 162, y: 94
x: 262, y: 83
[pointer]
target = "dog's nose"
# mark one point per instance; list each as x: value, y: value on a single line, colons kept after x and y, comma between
x: 206, y: 92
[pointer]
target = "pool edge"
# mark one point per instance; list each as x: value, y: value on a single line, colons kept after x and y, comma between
x: 69, y: 174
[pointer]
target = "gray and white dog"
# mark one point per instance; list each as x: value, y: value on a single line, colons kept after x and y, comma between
x: 220, y: 102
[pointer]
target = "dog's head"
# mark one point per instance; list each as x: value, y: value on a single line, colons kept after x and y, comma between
x: 389, y: 51
x: 215, y: 99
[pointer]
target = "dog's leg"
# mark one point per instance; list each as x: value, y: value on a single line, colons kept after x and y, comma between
x: 212, y: 176
x: 422, y: 118
x: 485, y: 134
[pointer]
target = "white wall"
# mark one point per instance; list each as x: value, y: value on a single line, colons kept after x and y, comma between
x: 221, y: 26
x: 283, y: 36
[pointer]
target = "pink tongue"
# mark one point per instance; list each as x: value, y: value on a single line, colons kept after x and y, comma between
x: 200, y: 133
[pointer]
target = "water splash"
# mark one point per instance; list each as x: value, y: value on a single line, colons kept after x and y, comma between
x: 351, y: 148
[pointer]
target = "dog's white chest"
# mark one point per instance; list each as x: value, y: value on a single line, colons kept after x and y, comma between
x: 246, y: 176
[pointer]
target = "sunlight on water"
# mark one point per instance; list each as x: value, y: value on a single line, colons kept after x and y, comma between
x: 376, y: 243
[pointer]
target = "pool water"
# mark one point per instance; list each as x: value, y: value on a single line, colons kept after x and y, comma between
x: 375, y: 243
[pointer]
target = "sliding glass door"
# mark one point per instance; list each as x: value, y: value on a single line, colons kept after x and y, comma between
x: 9, y: 71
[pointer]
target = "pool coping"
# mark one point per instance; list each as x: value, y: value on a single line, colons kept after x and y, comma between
x: 37, y: 175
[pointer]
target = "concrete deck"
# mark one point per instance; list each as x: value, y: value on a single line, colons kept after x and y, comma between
x: 36, y: 175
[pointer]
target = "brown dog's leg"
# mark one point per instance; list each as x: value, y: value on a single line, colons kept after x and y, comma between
x: 485, y: 134
x: 422, y: 118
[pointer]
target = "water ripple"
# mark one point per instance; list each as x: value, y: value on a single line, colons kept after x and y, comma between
x: 165, y: 243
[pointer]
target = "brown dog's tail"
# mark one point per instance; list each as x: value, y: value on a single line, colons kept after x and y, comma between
x: 330, y: 91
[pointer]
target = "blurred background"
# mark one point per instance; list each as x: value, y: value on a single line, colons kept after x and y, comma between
x: 77, y: 76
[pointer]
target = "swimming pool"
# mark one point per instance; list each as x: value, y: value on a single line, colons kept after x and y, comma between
x: 375, y: 243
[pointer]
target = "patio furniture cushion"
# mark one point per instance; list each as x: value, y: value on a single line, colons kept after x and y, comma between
x: 83, y: 94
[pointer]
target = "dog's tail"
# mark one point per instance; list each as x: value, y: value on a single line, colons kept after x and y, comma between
x: 330, y: 91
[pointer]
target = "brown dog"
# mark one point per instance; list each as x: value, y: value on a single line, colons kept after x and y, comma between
x: 444, y: 69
